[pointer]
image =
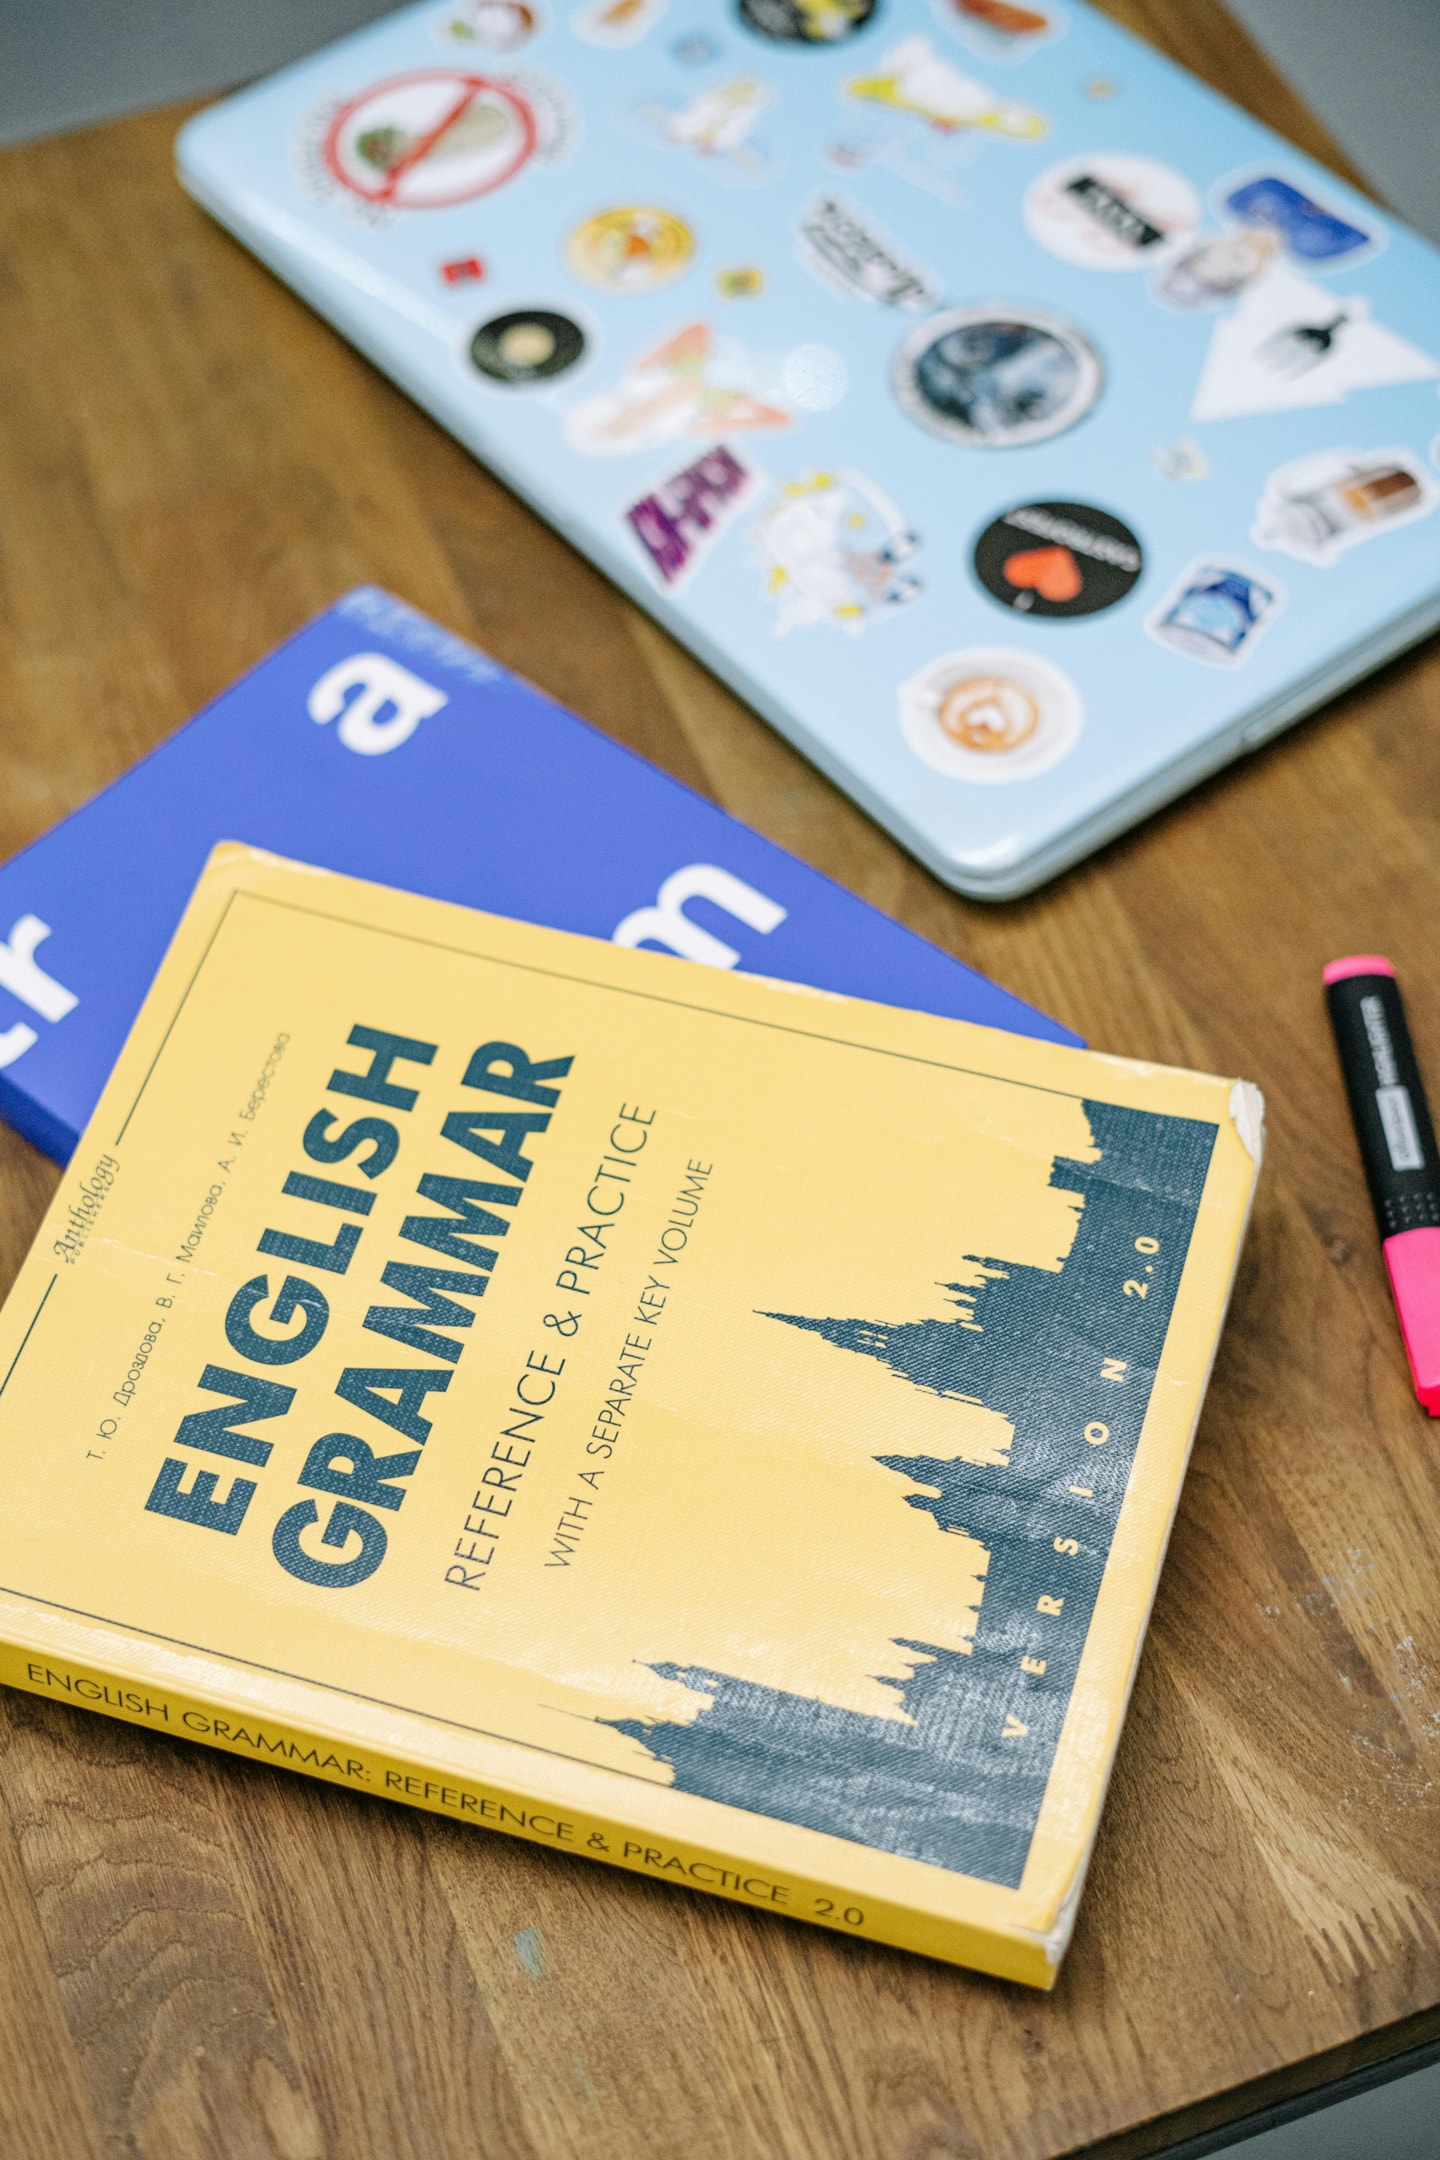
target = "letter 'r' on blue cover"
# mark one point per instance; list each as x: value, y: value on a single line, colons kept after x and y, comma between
x: 377, y: 744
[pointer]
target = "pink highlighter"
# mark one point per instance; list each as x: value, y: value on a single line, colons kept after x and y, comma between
x: 1397, y: 1147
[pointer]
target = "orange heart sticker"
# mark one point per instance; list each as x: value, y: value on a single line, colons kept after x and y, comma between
x: 1050, y: 571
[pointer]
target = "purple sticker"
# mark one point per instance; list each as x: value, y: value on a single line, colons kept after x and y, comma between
x: 677, y: 522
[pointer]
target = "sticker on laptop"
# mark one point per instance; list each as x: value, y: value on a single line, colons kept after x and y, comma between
x: 633, y: 249
x: 1217, y: 267
x: 926, y: 158
x: 1111, y: 210
x: 815, y: 377
x: 1332, y: 500
x: 1311, y: 233
x: 807, y: 22
x: 915, y: 80
x: 718, y: 125
x: 617, y: 23
x: 499, y: 26
x: 437, y: 137
x: 745, y: 282
x: 848, y: 251
x: 1182, y: 459
x: 694, y: 384
x: 1000, y: 29
x: 990, y: 715
x: 836, y: 550
x: 996, y: 377
x: 1058, y: 559
x: 680, y: 520
x: 1216, y: 612
x: 527, y: 345
x: 1289, y: 343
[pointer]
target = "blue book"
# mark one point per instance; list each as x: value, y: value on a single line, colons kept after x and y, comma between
x: 375, y: 743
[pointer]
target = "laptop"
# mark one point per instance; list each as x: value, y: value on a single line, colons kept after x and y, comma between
x: 1019, y: 427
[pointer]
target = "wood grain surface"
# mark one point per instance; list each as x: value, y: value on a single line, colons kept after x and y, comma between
x: 201, y: 1957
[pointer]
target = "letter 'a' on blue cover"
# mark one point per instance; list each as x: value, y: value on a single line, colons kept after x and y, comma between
x: 377, y: 744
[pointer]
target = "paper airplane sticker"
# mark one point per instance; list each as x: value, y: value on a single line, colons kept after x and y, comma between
x: 692, y: 384
x: 1290, y: 343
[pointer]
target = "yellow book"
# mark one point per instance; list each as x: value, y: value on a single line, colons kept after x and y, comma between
x: 724, y: 1430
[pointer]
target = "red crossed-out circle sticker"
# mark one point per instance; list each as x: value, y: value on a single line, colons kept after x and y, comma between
x: 428, y: 140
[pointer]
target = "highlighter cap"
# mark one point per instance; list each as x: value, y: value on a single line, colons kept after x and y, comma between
x: 1357, y: 964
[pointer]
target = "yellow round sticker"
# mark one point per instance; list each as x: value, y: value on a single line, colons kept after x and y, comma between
x: 631, y: 250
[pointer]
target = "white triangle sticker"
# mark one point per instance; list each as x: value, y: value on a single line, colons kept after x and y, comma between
x: 1289, y: 343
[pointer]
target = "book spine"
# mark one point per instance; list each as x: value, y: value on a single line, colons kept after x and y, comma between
x: 240, y: 1729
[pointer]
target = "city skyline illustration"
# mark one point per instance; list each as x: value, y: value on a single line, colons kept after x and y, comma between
x: 958, y: 1778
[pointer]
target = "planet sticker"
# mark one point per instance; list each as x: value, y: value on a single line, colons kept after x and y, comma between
x: 528, y: 345
x: 990, y: 715
x: 807, y: 22
x: 1058, y: 559
x: 631, y: 250
x: 431, y: 139
x: 996, y: 377
x: 1110, y: 210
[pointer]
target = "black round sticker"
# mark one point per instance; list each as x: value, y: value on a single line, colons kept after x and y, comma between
x: 1058, y: 558
x: 807, y: 22
x: 528, y: 346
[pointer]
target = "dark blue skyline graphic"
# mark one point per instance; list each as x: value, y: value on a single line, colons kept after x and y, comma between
x: 1060, y: 1354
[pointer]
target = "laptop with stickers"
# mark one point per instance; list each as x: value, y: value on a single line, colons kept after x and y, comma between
x: 1022, y: 429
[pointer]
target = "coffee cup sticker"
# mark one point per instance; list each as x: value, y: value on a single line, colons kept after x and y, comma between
x: 990, y: 715
x: 631, y: 249
x: 997, y: 377
x: 528, y: 345
x: 1058, y: 559
x: 1110, y: 210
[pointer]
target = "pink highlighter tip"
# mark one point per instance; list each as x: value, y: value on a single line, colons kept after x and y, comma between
x: 1412, y: 1260
x: 1357, y: 964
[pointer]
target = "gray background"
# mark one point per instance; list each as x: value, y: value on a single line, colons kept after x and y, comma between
x: 1369, y: 68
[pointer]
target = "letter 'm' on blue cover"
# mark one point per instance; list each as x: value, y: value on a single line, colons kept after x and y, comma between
x: 377, y: 744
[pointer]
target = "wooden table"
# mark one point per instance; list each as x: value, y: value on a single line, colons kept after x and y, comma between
x: 200, y: 1957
